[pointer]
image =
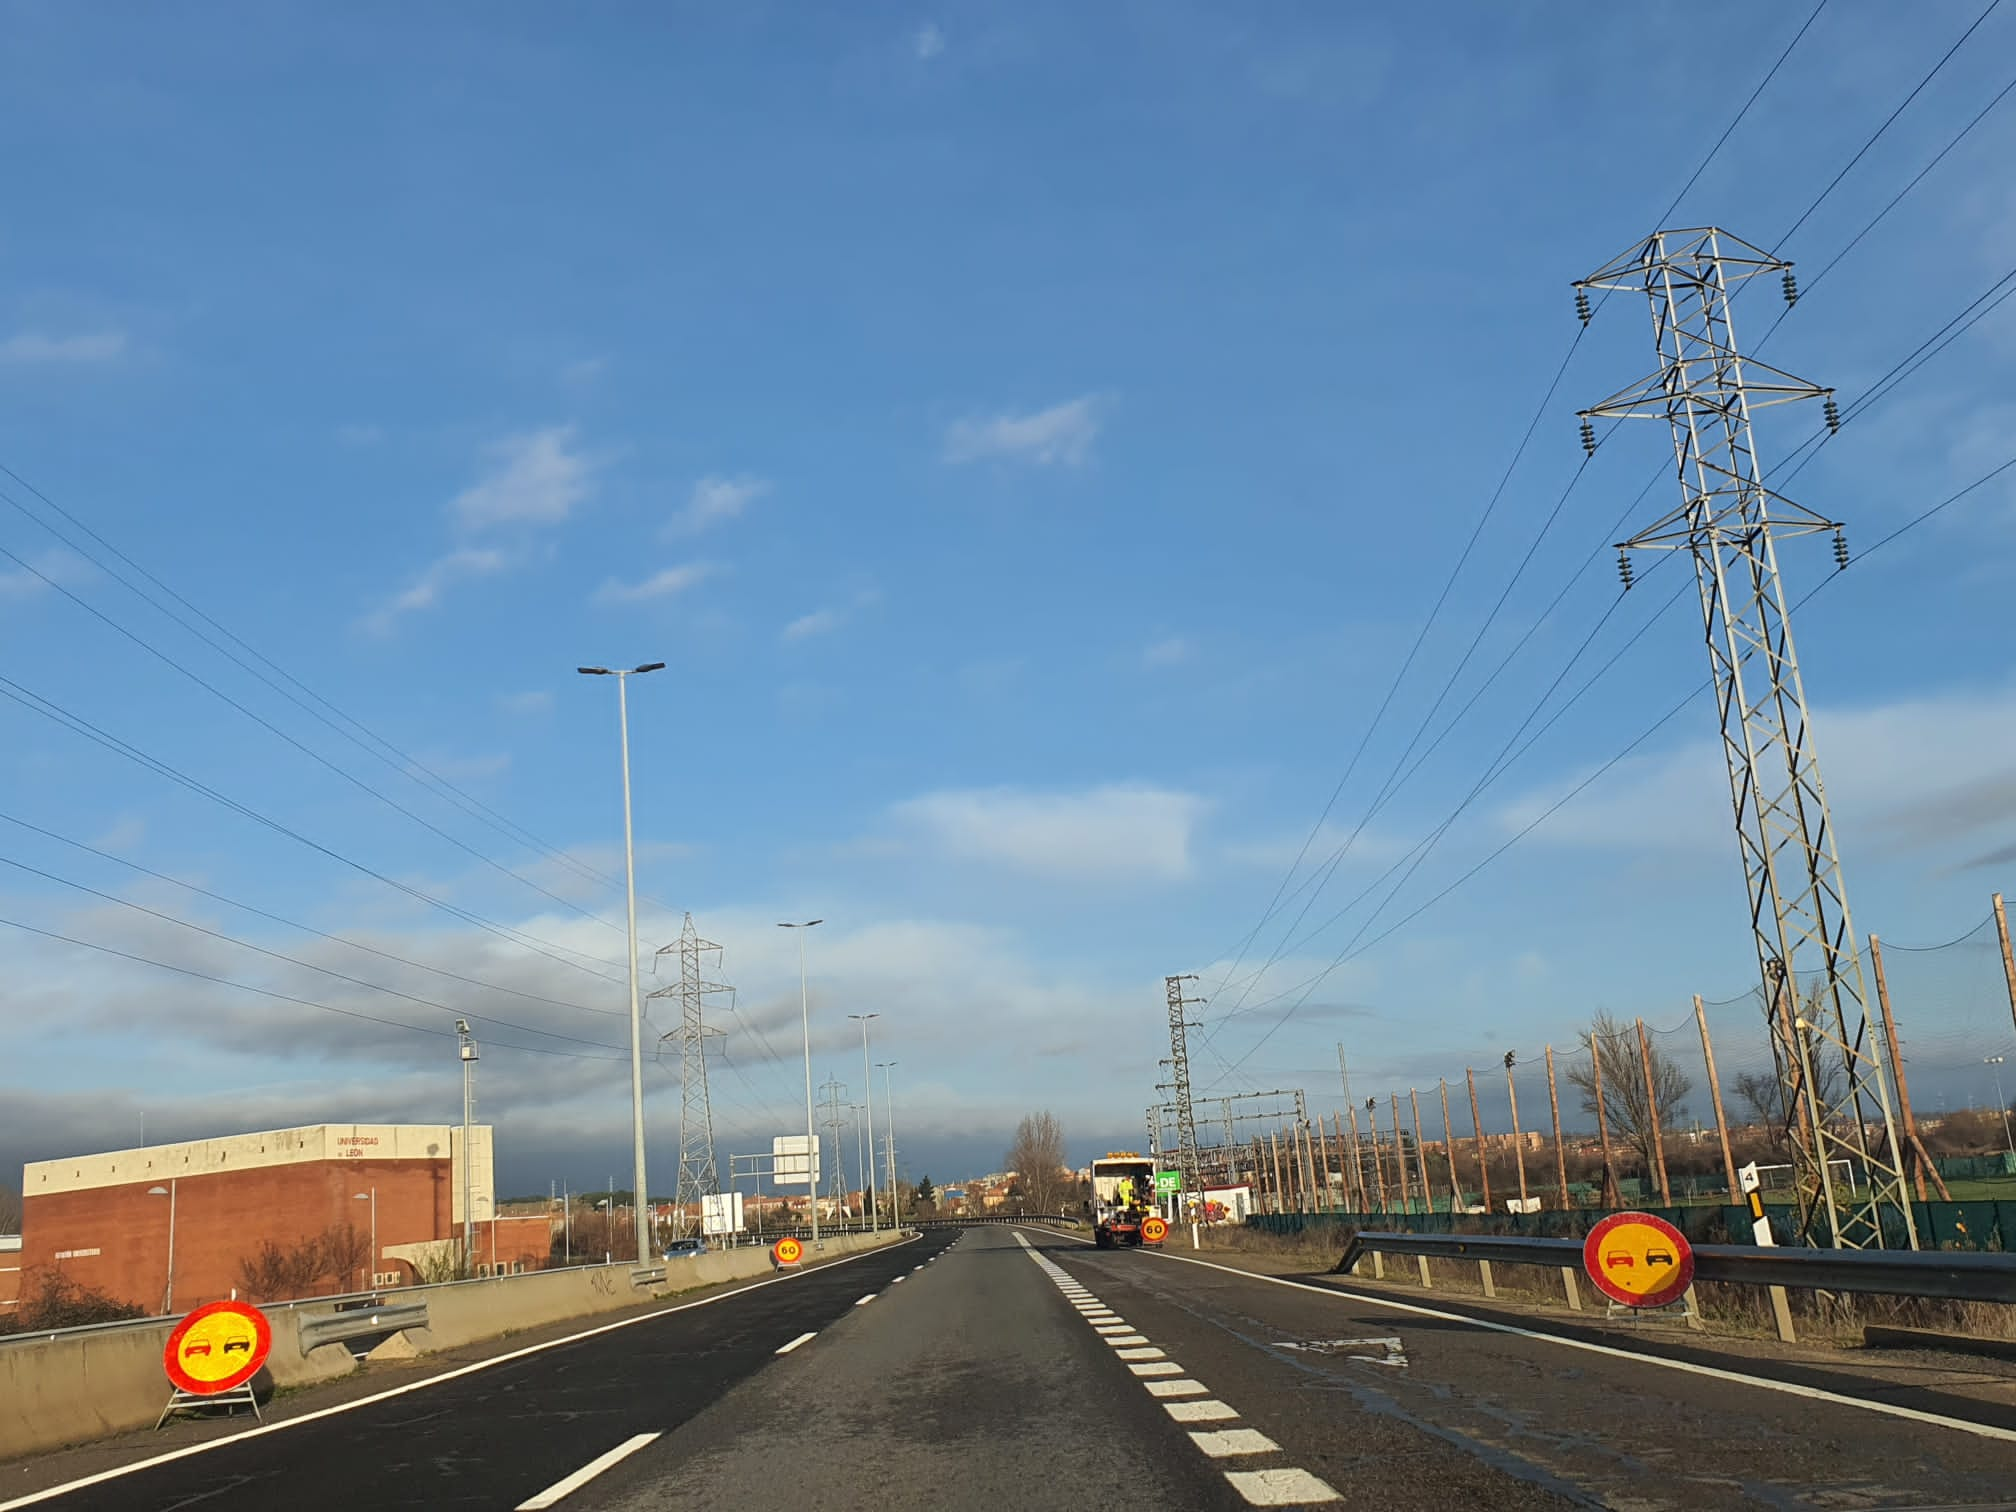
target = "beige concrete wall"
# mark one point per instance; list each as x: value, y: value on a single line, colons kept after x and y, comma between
x: 77, y: 1387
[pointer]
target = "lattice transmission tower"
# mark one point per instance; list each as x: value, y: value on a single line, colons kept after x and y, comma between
x: 698, y: 1174
x: 1835, y: 1096
x: 1179, y: 1059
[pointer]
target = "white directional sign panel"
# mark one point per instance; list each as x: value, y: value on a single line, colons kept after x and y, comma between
x: 721, y: 1214
x: 790, y: 1155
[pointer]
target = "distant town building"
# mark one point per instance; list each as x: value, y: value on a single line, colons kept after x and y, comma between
x: 103, y: 1221
x: 10, y: 1272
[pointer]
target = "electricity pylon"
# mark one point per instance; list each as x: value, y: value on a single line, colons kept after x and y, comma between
x: 835, y: 1121
x: 698, y: 1175
x: 1829, y: 1064
x: 1179, y: 1053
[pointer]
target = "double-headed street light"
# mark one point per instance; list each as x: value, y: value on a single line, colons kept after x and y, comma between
x: 875, y: 1221
x: 623, y: 676
x: 811, y: 1131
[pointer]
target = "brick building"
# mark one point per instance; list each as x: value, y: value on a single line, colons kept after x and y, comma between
x: 104, y: 1221
x: 10, y: 1273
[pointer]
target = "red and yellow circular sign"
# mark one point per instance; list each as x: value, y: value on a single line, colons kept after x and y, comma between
x: 1639, y: 1260
x: 217, y: 1348
x: 787, y: 1251
x: 1153, y: 1231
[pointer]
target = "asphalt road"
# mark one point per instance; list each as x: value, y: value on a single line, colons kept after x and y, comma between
x: 1019, y: 1369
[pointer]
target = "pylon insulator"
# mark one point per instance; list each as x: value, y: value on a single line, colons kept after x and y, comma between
x: 1791, y: 288
x: 1624, y: 568
x: 1582, y: 305
x: 1588, y: 438
x: 1832, y: 412
x: 1840, y: 550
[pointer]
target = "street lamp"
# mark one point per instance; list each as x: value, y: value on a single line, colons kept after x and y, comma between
x: 168, y: 1297
x: 2000, y: 1101
x: 372, y: 1198
x: 811, y: 1134
x: 630, y: 892
x: 895, y: 1195
x: 875, y: 1222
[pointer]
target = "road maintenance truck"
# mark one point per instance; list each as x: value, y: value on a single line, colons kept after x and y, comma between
x: 1123, y: 1201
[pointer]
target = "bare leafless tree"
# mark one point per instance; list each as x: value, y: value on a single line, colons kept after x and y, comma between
x: 10, y: 1211
x: 1624, y: 1101
x: 1037, y: 1159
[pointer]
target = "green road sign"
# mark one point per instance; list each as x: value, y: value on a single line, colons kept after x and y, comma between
x: 1168, y: 1182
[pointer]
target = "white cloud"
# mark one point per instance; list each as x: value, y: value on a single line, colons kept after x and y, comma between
x: 1169, y: 651
x: 1121, y: 829
x: 28, y: 348
x: 1062, y: 434
x: 1370, y: 847
x: 928, y: 41
x: 1923, y: 772
x: 463, y: 768
x: 126, y: 834
x: 47, y: 570
x: 818, y: 622
x: 665, y: 584
x: 526, y: 704
x: 534, y: 479
x: 713, y: 500
x: 426, y: 590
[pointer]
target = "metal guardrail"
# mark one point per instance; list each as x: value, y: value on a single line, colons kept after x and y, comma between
x: 1950, y: 1275
x: 337, y: 1328
x: 649, y: 1275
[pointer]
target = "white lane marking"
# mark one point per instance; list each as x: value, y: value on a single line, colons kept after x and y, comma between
x: 1212, y: 1411
x: 1183, y: 1388
x: 805, y: 1338
x: 866, y: 1300
x: 1147, y: 1353
x: 900, y: 1280
x: 1112, y: 1328
x: 1280, y: 1488
x: 398, y: 1391
x: 585, y: 1474
x: 1157, y: 1367
x: 1223, y: 1443
x: 1127, y: 1338
x: 1686, y: 1367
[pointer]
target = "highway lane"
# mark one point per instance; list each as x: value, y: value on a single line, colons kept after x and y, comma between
x: 1476, y: 1416
x: 497, y: 1435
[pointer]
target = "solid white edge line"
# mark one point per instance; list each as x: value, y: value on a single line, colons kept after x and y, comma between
x: 804, y: 1338
x: 398, y: 1391
x: 585, y: 1474
x: 1686, y: 1367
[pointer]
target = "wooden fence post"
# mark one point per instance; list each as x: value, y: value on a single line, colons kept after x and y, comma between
x: 1652, y: 1113
x: 1449, y: 1150
x: 1715, y: 1096
x: 1477, y: 1123
x: 1421, y: 1154
x: 1560, y: 1151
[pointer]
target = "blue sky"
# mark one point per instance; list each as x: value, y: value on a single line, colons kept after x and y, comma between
x: 1033, y: 438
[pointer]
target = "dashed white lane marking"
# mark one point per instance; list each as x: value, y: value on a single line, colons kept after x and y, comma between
x: 901, y: 1279
x: 801, y: 1339
x: 1212, y: 1411
x: 1287, y: 1486
x: 866, y: 1300
x: 585, y: 1474
x: 1223, y: 1443
x: 1280, y: 1488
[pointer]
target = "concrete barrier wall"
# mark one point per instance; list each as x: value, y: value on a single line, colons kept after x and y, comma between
x: 80, y: 1386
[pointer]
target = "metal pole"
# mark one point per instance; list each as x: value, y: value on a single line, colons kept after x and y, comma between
x: 467, y: 1050
x: 168, y: 1302
x: 2008, y: 961
x: 374, y: 1236
x: 1372, y: 1133
x: 1608, y: 1192
x: 811, y: 1130
x: 643, y: 1202
x: 868, y: 1076
x: 895, y: 1194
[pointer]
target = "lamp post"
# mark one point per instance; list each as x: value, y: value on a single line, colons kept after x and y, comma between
x: 371, y: 1197
x: 2000, y: 1101
x: 875, y: 1223
x: 895, y: 1194
x: 168, y: 1296
x: 811, y: 1130
x: 630, y: 897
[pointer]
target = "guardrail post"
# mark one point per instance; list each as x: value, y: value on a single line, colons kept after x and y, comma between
x: 1693, y: 1310
x: 1426, y: 1283
x: 1378, y: 1266
x: 1484, y: 1276
x: 1781, y: 1314
x: 1573, y: 1286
